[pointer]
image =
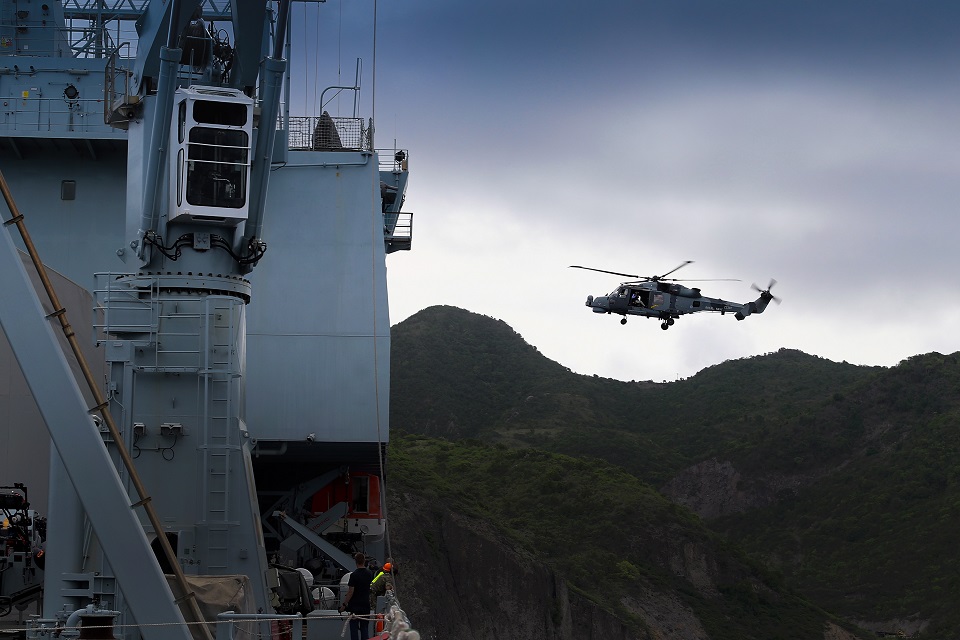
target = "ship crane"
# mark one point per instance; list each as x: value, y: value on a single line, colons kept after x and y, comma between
x: 173, y: 332
x: 197, y: 204
x: 182, y: 167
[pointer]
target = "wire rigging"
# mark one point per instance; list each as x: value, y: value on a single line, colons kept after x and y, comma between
x: 306, y: 66
x: 375, y: 230
x: 373, y: 74
x: 339, y: 51
x: 316, y: 66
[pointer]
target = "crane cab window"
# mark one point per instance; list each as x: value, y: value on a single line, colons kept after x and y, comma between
x: 217, y: 167
x: 223, y: 113
x: 211, y: 135
x: 182, y: 119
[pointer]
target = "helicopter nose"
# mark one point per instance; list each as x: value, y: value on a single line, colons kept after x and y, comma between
x: 599, y: 304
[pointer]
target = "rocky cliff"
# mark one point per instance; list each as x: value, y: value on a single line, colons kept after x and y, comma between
x: 712, y: 489
x: 459, y: 578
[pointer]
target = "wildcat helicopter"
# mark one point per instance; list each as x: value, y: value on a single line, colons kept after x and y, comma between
x: 663, y: 298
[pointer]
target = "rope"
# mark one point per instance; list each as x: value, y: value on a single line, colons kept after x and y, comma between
x: 396, y: 624
x: 210, y: 623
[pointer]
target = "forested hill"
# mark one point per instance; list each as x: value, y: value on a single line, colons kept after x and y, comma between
x: 825, y: 470
x: 459, y: 370
x: 456, y: 374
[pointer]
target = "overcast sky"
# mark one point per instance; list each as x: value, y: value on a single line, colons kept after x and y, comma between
x: 815, y: 142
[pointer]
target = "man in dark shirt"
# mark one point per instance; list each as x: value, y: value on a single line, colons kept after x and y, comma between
x: 357, y: 601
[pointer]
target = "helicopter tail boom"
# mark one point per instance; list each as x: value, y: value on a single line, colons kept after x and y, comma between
x: 757, y: 306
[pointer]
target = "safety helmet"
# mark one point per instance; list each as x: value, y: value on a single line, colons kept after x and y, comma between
x: 387, y: 567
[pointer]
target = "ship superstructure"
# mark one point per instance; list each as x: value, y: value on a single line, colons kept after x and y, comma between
x: 234, y: 255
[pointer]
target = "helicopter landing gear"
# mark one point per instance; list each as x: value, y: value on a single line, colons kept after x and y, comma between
x: 666, y: 324
x: 623, y: 321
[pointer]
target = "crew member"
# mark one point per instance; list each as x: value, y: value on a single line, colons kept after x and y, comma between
x: 381, y: 583
x: 357, y: 601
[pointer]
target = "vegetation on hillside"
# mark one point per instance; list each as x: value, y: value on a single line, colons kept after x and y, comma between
x: 603, y: 530
x: 875, y: 452
x: 461, y: 375
x: 476, y: 364
x: 878, y: 536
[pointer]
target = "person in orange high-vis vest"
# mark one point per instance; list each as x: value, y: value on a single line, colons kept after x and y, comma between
x: 381, y: 583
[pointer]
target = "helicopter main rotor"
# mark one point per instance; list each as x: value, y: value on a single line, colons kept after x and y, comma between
x: 660, y: 278
x: 613, y: 273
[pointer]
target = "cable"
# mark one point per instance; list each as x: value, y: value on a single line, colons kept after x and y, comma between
x: 376, y: 227
x: 339, y: 48
x: 256, y: 250
x: 306, y: 66
x: 373, y: 91
x: 172, y: 252
x: 316, y: 65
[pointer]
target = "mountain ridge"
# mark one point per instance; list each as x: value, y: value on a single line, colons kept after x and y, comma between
x: 745, y: 444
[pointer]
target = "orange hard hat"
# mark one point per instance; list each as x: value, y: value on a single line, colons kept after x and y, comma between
x: 387, y: 567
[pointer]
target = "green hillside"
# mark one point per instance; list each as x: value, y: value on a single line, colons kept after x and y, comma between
x: 871, y: 454
x: 462, y: 375
x: 462, y: 372
x: 610, y: 535
x: 878, y: 535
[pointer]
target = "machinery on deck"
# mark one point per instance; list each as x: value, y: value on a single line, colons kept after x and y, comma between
x: 22, y: 534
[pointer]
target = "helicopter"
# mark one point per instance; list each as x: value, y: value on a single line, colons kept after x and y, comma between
x: 663, y: 298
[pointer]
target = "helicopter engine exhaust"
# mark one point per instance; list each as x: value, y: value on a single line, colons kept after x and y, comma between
x: 685, y: 292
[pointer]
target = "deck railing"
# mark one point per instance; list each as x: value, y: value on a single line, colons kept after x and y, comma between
x: 326, y: 133
x: 33, y: 113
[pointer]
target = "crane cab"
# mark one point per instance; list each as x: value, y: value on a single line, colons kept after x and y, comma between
x: 210, y: 140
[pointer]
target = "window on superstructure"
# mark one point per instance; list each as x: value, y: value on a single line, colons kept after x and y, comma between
x: 360, y: 502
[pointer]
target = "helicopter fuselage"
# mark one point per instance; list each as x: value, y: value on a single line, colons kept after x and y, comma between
x: 668, y: 301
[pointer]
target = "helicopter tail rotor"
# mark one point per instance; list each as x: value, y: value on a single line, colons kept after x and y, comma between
x: 765, y: 293
x: 760, y: 304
